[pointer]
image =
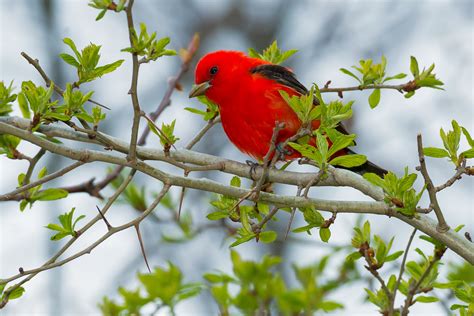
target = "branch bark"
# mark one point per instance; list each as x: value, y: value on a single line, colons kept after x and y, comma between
x: 423, y: 223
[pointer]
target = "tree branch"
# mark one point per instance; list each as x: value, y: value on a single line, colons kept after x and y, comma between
x: 400, y: 275
x: 409, y: 86
x: 13, y: 195
x: 87, y: 250
x: 442, y: 225
x: 133, y: 88
x: 423, y: 223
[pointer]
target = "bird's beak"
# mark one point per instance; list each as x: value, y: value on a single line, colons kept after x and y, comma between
x: 199, y: 89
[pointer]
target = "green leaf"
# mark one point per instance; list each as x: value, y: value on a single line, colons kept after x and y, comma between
x: 100, y: 71
x: 435, y: 152
x: 101, y: 14
x: 414, y: 66
x: 303, y: 229
x: 458, y: 228
x: 23, y: 104
x: 235, y: 182
x: 409, y: 94
x: 312, y: 217
x: 324, y: 234
x: 16, y: 293
x: 242, y: 240
x: 374, y: 98
x: 71, y: 44
x: 349, y: 161
x: 341, y: 141
x: 397, y: 76
x: 426, y: 299
x: 329, y: 306
x: 70, y: 60
x: 468, y: 153
x: 347, y: 72
x: 354, y: 256
x: 393, y: 256
x: 468, y: 137
x: 268, y: 236
x: 50, y: 195
x: 214, y: 216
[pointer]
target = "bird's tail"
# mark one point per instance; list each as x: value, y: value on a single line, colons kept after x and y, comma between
x: 366, y: 167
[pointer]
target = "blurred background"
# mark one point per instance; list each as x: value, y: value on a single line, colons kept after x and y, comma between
x: 328, y: 34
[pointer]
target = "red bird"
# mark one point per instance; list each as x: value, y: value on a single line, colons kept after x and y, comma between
x: 246, y: 91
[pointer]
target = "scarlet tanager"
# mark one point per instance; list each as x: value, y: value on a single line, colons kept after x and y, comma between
x: 246, y: 91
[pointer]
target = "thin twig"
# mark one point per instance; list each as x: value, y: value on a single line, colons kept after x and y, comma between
x: 88, y: 249
x: 14, y: 194
x: 400, y: 275
x: 32, y: 165
x: 53, y: 259
x: 313, y: 182
x: 414, y: 290
x: 166, y: 100
x: 258, y: 227
x: 292, y: 215
x: 409, y: 86
x: 442, y: 225
x: 132, y: 155
x: 424, y: 223
x: 47, y: 80
x: 460, y: 170
x: 202, y: 132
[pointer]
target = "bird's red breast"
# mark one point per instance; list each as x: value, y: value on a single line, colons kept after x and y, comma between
x: 249, y: 101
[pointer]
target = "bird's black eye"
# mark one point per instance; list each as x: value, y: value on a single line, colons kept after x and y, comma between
x: 213, y: 70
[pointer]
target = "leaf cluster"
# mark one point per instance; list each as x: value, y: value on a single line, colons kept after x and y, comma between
x: 36, y: 194
x: 259, y: 288
x: 67, y: 225
x: 372, y: 74
x: 374, y: 249
x: 164, y: 287
x: 273, y: 54
x: 86, y: 62
x: 451, y: 141
x: 399, y: 192
x: 6, y: 98
x: 105, y: 5
x: 314, y: 219
x: 326, y: 140
x: 212, y: 110
x: 227, y: 208
x: 148, y: 46
x: 425, y: 78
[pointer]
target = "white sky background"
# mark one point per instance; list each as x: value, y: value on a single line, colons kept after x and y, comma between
x: 329, y: 35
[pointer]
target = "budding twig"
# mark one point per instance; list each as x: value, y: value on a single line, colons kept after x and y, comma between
x: 442, y: 225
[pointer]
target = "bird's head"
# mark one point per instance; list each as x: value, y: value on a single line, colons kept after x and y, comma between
x: 214, y: 70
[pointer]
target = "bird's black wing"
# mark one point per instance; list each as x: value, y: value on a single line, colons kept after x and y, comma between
x: 287, y: 78
x: 281, y: 75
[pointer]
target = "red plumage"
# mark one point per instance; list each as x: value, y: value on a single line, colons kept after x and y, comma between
x: 249, y: 103
x: 247, y: 92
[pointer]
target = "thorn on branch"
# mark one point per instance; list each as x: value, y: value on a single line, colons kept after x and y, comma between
x: 142, y: 247
x: 109, y: 227
x: 468, y: 236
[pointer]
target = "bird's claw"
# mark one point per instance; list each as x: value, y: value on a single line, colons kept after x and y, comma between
x: 283, y: 151
x: 253, y: 168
